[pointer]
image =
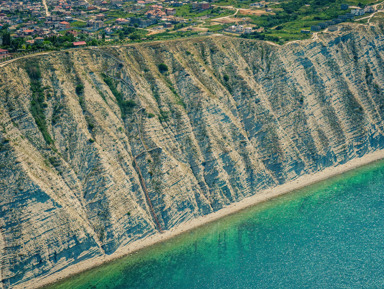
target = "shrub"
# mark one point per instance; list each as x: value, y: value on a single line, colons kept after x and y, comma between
x: 80, y: 89
x: 163, y: 67
x: 164, y: 116
x: 226, y: 78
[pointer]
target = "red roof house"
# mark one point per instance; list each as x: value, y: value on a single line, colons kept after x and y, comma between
x: 64, y: 25
x: 3, y: 53
x: 79, y: 43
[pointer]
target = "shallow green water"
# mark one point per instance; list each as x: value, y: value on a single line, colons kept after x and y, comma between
x: 327, y: 236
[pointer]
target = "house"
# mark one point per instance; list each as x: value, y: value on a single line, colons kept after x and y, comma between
x: 90, y: 22
x: 122, y: 21
x: 350, y: 15
x: 39, y: 39
x: 369, y: 9
x: 100, y: 16
x: 323, y: 25
x: 64, y: 25
x: 305, y: 31
x: 248, y: 30
x: 157, y: 13
x: 358, y: 12
x: 143, y: 23
x: 315, y: 28
x: 257, y: 5
x: 201, y: 5
x: 3, y: 53
x: 98, y: 24
x: 79, y: 43
x: 28, y: 32
x: 170, y: 11
x: 205, y: 5
x: 108, y: 31
x: 337, y: 21
x: 333, y: 28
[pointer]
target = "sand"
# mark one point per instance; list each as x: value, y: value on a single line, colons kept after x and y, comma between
x: 260, y: 197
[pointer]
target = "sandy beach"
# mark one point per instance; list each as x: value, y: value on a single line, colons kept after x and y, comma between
x: 260, y: 197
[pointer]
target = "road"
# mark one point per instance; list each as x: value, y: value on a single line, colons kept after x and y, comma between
x: 47, y: 13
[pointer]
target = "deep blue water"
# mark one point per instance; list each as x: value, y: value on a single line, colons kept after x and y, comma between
x: 327, y: 236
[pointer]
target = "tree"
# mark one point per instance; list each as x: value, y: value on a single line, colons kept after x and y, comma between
x: 134, y: 36
x: 121, y: 35
x: 7, y: 39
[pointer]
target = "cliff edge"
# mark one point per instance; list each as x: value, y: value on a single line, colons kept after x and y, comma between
x: 101, y: 147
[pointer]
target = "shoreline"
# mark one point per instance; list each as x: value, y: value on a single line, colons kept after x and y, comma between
x: 259, y: 197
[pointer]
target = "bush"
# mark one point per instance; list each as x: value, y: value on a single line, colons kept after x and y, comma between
x: 80, y: 89
x: 163, y: 67
x: 164, y: 116
x: 126, y: 106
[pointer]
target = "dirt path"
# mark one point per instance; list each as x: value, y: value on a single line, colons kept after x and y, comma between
x: 229, y: 16
x: 26, y: 56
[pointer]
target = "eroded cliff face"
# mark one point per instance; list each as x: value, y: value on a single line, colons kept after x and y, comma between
x: 98, y: 148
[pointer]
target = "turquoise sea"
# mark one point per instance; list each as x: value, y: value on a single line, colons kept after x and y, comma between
x: 330, y: 235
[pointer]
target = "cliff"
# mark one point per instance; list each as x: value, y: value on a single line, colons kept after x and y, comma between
x: 99, y: 147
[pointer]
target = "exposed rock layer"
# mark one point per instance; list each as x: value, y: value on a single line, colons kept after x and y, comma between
x: 137, y: 151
